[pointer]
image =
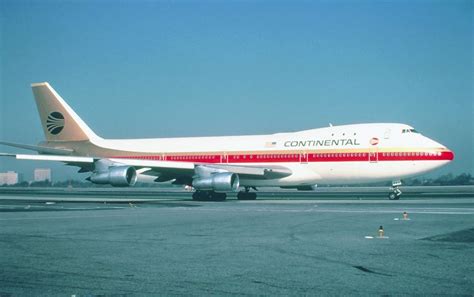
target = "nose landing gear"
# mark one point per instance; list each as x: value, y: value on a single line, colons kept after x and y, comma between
x: 395, y: 191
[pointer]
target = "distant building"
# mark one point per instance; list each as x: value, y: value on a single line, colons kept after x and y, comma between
x: 9, y: 178
x: 42, y: 174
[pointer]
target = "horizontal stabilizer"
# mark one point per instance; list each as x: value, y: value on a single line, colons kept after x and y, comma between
x: 66, y: 159
x: 39, y: 149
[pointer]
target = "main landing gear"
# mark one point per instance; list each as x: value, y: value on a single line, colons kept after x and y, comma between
x: 395, y: 192
x: 214, y: 196
x: 209, y: 196
x: 247, y: 195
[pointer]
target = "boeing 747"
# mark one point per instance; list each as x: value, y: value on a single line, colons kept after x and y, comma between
x: 214, y: 166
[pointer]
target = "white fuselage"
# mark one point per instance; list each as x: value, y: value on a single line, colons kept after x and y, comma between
x: 332, y: 155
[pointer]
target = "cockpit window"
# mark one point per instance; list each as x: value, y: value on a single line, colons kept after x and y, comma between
x: 409, y: 131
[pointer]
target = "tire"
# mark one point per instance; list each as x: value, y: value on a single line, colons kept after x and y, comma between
x: 202, y: 196
x: 218, y: 196
x: 246, y: 196
x: 209, y: 196
x: 252, y: 196
x: 393, y: 196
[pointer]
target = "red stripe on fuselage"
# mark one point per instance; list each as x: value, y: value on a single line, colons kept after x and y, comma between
x: 299, y: 158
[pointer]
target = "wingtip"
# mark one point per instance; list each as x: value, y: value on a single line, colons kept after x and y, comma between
x: 39, y: 84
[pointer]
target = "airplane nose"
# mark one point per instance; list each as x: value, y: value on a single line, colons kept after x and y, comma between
x: 449, y: 154
x: 446, y: 153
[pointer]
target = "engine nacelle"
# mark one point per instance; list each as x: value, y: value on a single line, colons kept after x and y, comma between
x: 219, y: 182
x: 117, y: 176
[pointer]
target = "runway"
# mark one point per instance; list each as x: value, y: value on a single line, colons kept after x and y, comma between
x: 83, y: 245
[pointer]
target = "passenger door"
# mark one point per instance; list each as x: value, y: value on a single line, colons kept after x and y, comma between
x: 224, y: 158
x: 304, y: 158
x: 373, y: 155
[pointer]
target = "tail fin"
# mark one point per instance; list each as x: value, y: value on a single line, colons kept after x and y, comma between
x: 59, y: 121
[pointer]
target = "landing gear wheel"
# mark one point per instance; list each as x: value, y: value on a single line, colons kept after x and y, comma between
x: 393, y: 196
x: 218, y: 196
x: 246, y: 196
x: 209, y: 196
x: 395, y: 192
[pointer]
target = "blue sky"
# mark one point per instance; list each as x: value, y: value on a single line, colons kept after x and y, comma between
x: 189, y: 68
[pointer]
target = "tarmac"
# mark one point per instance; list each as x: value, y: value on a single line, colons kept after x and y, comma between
x: 105, y: 244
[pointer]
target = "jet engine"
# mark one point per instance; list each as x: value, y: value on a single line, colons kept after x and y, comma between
x: 117, y: 176
x: 219, y: 182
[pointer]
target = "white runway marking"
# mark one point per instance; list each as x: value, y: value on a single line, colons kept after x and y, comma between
x: 360, y: 201
x: 63, y: 218
x: 412, y: 211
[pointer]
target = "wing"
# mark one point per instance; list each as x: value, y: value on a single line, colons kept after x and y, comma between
x: 168, y: 170
x: 163, y: 170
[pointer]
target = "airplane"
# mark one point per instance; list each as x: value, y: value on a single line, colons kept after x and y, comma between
x: 214, y: 166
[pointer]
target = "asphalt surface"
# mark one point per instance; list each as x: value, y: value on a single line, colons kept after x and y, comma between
x: 89, y: 245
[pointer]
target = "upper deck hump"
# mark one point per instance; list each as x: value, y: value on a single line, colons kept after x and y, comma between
x: 244, y: 142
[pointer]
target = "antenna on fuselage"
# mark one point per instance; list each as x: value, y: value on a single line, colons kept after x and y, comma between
x: 330, y: 125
